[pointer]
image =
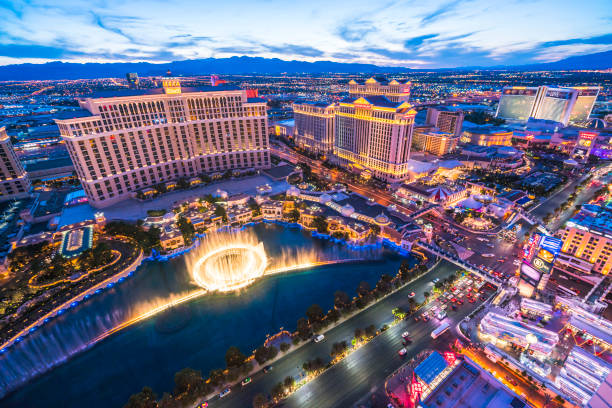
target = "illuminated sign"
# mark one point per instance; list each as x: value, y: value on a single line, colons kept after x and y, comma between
x: 530, y: 275
x: 363, y: 106
x: 540, y: 265
x: 530, y: 249
x: 552, y: 244
x: 587, y: 135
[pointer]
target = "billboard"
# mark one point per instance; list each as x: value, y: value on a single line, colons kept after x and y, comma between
x: 538, y: 257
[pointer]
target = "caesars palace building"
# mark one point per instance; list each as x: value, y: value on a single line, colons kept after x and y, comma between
x: 133, y: 139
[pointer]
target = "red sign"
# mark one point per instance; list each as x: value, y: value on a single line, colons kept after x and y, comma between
x: 587, y: 135
x: 450, y: 357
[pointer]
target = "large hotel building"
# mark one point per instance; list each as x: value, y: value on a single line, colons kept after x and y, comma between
x: 374, y: 134
x: 135, y: 139
x: 587, y: 241
x: 314, y: 126
x: 519, y: 103
x: 393, y: 90
x: 14, y: 181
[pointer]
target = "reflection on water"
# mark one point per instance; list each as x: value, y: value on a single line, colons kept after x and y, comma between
x: 195, y: 334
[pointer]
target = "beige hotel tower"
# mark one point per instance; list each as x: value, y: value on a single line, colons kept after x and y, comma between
x: 135, y: 139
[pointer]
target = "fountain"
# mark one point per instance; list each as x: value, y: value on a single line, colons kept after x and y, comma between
x: 229, y: 261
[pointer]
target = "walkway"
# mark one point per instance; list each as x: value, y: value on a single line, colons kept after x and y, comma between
x: 436, y: 250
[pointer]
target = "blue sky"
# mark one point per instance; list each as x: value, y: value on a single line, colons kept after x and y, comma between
x: 416, y: 34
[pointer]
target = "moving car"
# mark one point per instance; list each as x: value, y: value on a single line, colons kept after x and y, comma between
x: 267, y: 369
x: 405, y: 334
x: 225, y: 392
x: 411, y: 295
x: 318, y: 338
x: 402, y: 352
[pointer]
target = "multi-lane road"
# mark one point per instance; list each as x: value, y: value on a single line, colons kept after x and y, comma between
x: 346, y: 382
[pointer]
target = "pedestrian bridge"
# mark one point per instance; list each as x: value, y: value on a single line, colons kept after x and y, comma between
x: 423, y: 211
x: 436, y: 250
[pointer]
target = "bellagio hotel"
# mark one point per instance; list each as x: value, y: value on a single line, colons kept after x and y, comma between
x: 135, y: 139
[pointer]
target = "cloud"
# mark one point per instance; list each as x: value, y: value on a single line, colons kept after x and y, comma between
x: 292, y: 49
x: 31, y: 51
x: 415, y: 42
x: 601, y: 39
x: 440, y: 12
x: 236, y: 50
x: 354, y: 31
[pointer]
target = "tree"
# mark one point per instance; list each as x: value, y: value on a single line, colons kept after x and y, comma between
x: 278, y: 391
x: 254, y: 207
x: 220, y: 212
x: 341, y: 299
x: 359, y: 333
x: 234, y: 357
x: 320, y: 223
x: 260, y: 401
x: 187, y: 229
x: 374, y: 230
x: 313, y: 365
x: 263, y: 354
x: 314, y: 313
x: 293, y: 215
x: 188, y: 381
x: 363, y: 289
x: 338, y: 348
x: 426, y: 294
x: 289, y: 382
x: 144, y: 399
x: 303, y: 328
x: 333, y: 315
x: 217, y: 377
x: 284, y: 347
x: 168, y: 401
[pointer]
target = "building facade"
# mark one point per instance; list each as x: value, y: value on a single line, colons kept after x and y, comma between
x: 445, y: 119
x: 374, y: 134
x: 137, y: 139
x: 587, y: 237
x: 435, y: 142
x: 487, y: 136
x: 314, y: 126
x: 14, y: 181
x: 393, y: 90
x: 519, y: 103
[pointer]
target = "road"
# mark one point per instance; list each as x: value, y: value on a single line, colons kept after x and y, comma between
x: 346, y: 382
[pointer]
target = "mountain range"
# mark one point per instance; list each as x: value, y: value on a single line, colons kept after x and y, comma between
x: 256, y: 65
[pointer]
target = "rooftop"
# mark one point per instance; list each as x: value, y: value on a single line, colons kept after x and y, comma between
x: 159, y: 91
x: 431, y: 367
x: 598, y: 221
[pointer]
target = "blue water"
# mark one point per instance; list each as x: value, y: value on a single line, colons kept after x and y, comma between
x: 194, y: 335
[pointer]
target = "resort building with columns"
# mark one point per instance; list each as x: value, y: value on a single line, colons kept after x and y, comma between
x: 135, y: 139
x: 393, y: 90
x: 374, y: 134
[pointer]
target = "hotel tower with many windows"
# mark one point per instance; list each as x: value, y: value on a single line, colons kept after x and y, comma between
x: 14, y: 181
x: 374, y: 134
x: 136, y: 139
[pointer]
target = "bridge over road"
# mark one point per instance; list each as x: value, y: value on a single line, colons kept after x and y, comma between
x: 436, y: 250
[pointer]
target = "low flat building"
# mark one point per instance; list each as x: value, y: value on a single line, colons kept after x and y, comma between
x: 487, y: 136
x: 503, y: 329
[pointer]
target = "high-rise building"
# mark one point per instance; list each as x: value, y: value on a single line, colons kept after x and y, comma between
x: 132, y: 80
x: 14, y: 181
x: 393, y: 90
x: 587, y: 242
x: 139, y: 138
x: 519, y: 103
x: 554, y: 104
x: 434, y: 142
x: 314, y: 126
x: 445, y: 119
x: 587, y: 95
x: 374, y: 134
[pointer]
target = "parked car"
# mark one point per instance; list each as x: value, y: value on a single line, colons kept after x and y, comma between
x: 317, y: 338
x: 225, y: 392
x: 246, y: 381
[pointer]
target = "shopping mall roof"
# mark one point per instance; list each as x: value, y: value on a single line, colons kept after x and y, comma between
x: 431, y: 367
x: 595, y: 220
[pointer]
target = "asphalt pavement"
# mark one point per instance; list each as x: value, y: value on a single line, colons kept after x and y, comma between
x: 346, y: 382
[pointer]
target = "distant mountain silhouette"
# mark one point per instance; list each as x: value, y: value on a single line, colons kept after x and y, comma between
x: 252, y: 65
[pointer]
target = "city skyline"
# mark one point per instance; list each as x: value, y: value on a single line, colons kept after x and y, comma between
x: 433, y: 35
